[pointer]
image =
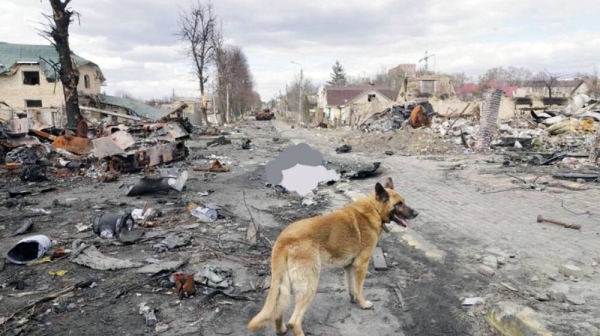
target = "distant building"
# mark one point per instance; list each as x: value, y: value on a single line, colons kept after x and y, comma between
x: 403, y: 70
x: 560, y: 88
x: 336, y: 102
x: 425, y: 86
x: 29, y: 77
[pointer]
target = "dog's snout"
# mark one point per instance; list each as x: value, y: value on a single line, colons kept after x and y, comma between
x: 414, y: 213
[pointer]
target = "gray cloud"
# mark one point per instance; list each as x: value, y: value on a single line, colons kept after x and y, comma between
x: 134, y: 42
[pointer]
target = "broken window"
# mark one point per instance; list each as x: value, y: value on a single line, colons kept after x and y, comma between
x: 428, y: 87
x: 31, y: 77
x: 372, y: 97
x: 86, y: 81
x: 33, y: 103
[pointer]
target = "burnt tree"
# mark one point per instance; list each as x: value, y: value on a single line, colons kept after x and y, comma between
x: 58, y: 34
x: 199, y: 29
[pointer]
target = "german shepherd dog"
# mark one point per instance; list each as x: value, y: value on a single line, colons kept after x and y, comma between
x: 345, y: 238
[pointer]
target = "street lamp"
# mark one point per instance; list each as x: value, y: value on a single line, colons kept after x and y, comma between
x: 299, y: 89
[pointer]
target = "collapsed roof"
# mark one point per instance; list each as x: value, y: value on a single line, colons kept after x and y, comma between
x: 11, y: 55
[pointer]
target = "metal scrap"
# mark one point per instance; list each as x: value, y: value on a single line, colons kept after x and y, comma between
x: 216, y: 167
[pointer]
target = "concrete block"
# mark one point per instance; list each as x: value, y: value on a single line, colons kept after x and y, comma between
x: 485, y: 270
x: 577, y: 300
x: 512, y: 319
x: 570, y: 270
x: 559, y: 291
x: 379, y: 260
x: 490, y: 261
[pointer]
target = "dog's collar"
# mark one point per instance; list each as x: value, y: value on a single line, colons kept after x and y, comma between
x: 385, y: 228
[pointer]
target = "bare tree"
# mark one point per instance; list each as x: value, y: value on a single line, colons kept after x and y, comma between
x: 549, y: 79
x: 57, y: 32
x: 458, y: 79
x: 592, y: 78
x: 294, y: 90
x: 198, y: 27
x: 235, y: 84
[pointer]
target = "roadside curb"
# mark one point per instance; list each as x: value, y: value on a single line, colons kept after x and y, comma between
x: 511, y: 319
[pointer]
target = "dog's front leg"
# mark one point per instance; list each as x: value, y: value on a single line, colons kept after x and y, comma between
x: 350, y: 275
x: 361, y: 265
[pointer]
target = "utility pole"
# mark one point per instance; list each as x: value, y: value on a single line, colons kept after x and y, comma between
x: 299, y: 90
x: 227, y: 113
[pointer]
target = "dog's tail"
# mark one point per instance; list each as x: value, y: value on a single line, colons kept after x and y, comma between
x: 279, y: 294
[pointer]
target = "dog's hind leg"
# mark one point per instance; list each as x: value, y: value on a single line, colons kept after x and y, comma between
x: 362, y: 264
x: 284, y: 300
x: 304, y: 276
x: 350, y: 276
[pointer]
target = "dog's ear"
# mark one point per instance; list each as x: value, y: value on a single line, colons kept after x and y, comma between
x: 380, y: 193
x: 389, y: 184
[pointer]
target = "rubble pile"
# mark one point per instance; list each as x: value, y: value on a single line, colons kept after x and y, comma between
x: 118, y: 148
x: 539, y: 137
x: 393, y: 118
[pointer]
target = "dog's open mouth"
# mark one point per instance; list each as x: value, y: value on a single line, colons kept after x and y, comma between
x: 400, y: 220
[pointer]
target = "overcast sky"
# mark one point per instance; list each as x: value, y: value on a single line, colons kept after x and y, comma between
x: 134, y: 41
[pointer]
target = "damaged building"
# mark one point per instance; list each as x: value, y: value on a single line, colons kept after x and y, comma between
x: 116, y: 134
x: 341, y: 104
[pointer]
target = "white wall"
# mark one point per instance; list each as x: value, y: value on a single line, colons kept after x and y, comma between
x: 14, y: 92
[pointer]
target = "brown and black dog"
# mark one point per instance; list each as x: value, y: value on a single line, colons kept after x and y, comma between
x: 345, y: 238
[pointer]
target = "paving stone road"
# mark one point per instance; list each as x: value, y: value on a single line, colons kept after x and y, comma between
x: 457, y: 217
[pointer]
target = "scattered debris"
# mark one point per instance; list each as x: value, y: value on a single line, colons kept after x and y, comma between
x: 215, y: 167
x: 559, y: 291
x: 204, y: 213
x: 379, y: 260
x: 485, y: 270
x: 173, y: 241
x: 343, y: 149
x: 109, y: 225
x: 541, y: 219
x: 364, y: 173
x: 220, y: 141
x: 185, y: 285
x: 25, y: 226
x: 90, y: 257
x: 571, y: 270
x: 215, y: 277
x: 246, y: 143
x: 148, y: 314
x: 472, y: 301
x: 160, y: 267
x: 148, y: 185
x: 29, y: 249
x: 577, y: 300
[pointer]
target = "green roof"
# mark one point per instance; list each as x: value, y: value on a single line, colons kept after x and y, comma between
x: 137, y: 108
x: 11, y: 54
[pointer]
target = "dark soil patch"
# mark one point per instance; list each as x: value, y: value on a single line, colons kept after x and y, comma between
x: 430, y: 294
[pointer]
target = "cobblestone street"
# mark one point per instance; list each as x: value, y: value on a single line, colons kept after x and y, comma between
x: 462, y: 215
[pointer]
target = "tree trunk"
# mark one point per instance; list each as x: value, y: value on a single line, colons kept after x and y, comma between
x: 203, y: 109
x: 68, y: 72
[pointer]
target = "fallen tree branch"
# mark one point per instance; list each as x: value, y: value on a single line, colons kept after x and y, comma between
x: 42, y: 300
x: 135, y: 286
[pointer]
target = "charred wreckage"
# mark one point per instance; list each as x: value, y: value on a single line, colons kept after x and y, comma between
x: 106, y: 148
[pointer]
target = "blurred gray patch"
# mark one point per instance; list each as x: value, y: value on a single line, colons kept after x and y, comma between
x: 301, y: 154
